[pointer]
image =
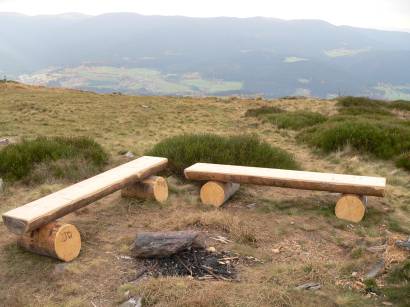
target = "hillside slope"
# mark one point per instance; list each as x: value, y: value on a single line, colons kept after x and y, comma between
x: 266, y: 56
x: 296, y: 234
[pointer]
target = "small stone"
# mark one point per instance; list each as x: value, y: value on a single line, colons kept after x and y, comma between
x: 292, y: 223
x: 59, y: 268
x: 251, y: 206
x: 387, y: 303
x: 354, y: 274
x: 129, y: 155
x: 309, y: 286
x: 132, y: 302
x: 211, y: 249
x: 275, y: 250
x: 4, y: 141
x: 399, y: 243
x: 376, y: 269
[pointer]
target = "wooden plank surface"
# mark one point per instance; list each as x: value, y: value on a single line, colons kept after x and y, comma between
x: 51, y: 207
x: 349, y: 184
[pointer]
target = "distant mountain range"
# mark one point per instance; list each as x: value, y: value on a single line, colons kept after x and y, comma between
x: 150, y: 55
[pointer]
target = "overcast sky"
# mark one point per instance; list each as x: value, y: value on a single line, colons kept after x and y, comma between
x: 381, y: 14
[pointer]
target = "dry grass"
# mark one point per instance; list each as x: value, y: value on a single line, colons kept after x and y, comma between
x: 313, y: 245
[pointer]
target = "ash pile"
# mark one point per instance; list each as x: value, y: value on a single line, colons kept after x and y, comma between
x: 183, y: 253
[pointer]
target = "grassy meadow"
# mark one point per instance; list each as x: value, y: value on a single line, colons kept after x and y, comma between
x: 293, y: 232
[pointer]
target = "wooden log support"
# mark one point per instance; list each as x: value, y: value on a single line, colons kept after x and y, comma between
x: 153, y: 187
x: 216, y: 193
x: 351, y: 207
x: 58, y: 240
x: 53, y: 206
x: 164, y: 244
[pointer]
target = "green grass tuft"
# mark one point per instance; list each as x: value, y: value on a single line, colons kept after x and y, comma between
x: 185, y: 150
x: 383, y: 139
x: 296, y: 120
x: 58, y: 157
x: 262, y: 111
x: 404, y: 161
x: 287, y: 120
x: 397, y: 288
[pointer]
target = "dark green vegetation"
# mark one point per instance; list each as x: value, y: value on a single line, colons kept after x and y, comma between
x: 364, y: 105
x: 58, y: 157
x: 383, y: 139
x: 397, y: 286
x: 370, y: 128
x: 185, y: 150
x: 295, y: 120
x: 404, y: 161
x: 366, y: 125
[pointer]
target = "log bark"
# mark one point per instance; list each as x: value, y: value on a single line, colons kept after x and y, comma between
x: 164, y: 244
x: 153, y: 187
x: 57, y: 240
x: 351, y: 208
x: 217, y: 193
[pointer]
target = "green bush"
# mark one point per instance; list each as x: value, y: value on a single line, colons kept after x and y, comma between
x: 402, y: 105
x: 262, y: 111
x: 363, y: 105
x: 59, y: 156
x: 404, y: 161
x: 185, y: 150
x: 287, y: 120
x: 383, y: 139
x: 296, y: 120
x: 397, y: 288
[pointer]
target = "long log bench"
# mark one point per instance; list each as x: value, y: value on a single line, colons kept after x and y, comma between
x: 224, y: 180
x: 36, y: 224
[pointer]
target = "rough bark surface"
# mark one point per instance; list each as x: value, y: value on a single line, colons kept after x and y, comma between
x: 164, y: 244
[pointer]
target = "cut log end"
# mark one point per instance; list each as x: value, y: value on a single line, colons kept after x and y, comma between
x: 61, y: 241
x: 153, y: 187
x: 217, y: 193
x: 351, y: 208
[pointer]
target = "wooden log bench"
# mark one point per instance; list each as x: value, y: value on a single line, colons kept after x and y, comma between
x: 224, y: 180
x: 35, y: 222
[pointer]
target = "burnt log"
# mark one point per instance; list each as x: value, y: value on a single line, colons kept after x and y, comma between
x: 164, y: 244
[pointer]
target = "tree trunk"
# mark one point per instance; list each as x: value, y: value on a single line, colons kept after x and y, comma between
x: 164, y: 244
x: 351, y: 208
x: 217, y: 193
x: 61, y: 241
x: 153, y: 187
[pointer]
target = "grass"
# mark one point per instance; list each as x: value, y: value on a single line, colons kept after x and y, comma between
x: 382, y: 139
x: 313, y: 244
x: 295, y: 120
x: 62, y: 157
x: 397, y: 288
x: 185, y: 150
x: 364, y: 105
x: 404, y: 161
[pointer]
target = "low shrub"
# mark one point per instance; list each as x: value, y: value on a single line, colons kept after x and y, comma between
x: 397, y: 287
x: 383, y: 139
x: 296, y: 120
x: 287, y: 120
x: 262, y: 111
x: 404, y: 161
x: 402, y: 105
x: 58, y: 157
x: 363, y: 105
x: 185, y: 150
